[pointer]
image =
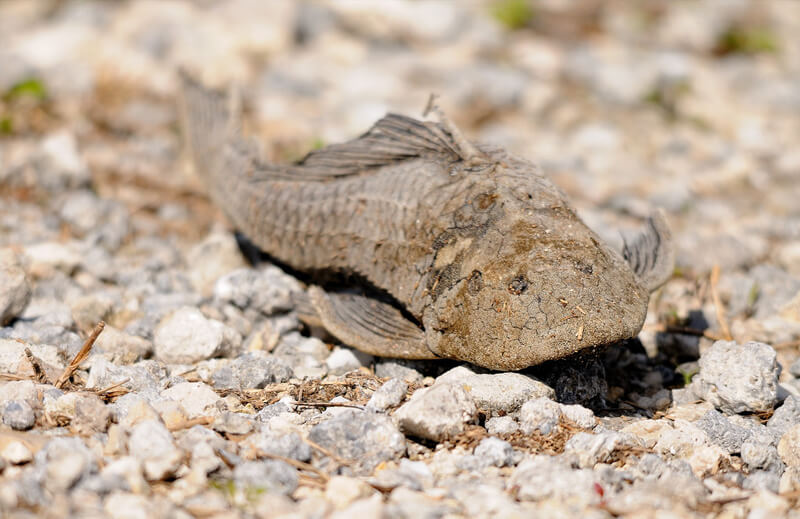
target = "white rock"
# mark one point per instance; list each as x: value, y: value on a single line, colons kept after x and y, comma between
x: 186, y: 336
x: 437, y: 412
x: 15, y: 291
x: 740, y: 378
x: 497, y: 393
x: 217, y: 255
x: 151, y: 443
x: 197, y: 399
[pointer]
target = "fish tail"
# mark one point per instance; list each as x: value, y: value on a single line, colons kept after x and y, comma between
x: 208, y: 123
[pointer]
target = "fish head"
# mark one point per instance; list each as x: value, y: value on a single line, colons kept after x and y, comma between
x: 529, y: 283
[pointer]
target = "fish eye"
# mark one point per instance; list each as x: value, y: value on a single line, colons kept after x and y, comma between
x: 518, y: 285
x: 475, y: 282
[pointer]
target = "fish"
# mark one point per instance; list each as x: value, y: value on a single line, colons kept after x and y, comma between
x: 443, y: 248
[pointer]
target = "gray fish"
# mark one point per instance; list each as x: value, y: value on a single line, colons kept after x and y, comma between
x: 455, y: 250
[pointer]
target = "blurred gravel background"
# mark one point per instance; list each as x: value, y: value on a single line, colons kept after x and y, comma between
x: 204, y: 396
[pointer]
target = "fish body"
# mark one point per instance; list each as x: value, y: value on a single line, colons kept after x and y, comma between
x: 458, y: 250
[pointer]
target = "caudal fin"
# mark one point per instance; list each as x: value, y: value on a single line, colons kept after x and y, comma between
x: 651, y: 254
x: 208, y: 121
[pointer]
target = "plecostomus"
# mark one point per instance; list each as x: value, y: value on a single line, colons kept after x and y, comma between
x: 453, y: 250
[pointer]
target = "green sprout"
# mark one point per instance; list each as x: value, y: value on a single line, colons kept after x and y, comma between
x: 513, y: 14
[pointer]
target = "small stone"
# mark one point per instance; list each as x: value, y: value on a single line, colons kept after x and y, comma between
x: 289, y: 445
x: 404, y: 370
x: 495, y: 451
x: 197, y: 399
x: 18, y: 415
x: 389, y: 395
x: 122, y: 505
x: 406, y: 502
x: 122, y: 348
x: 89, y: 310
x: 16, y: 452
x: 91, y: 415
x: 232, y: 423
x: 342, y: 491
x: 342, y: 360
x: 502, y: 425
x: 757, y: 454
x: 761, y: 480
x: 151, y: 443
x: 268, y: 290
x: 46, y: 258
x: 543, y: 477
x: 540, y: 414
x: 438, y: 412
x: 786, y: 416
x: 272, y: 476
x: 362, y: 437
x: 368, y: 507
x: 500, y: 392
x: 722, y: 432
x: 60, y: 164
x: 579, y: 415
x: 740, y: 378
x: 187, y: 336
x: 253, y: 370
x: 66, y: 461
x: 591, y: 449
x: 217, y: 255
x: 789, y: 447
x: 15, y: 291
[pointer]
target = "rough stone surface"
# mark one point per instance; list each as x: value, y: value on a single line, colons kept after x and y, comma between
x: 739, y: 378
x: 500, y: 392
x: 15, y: 291
x: 187, y: 336
x: 252, y: 370
x: 18, y: 415
x: 438, y: 412
x: 789, y: 447
x: 364, y: 438
x: 389, y: 395
x: 272, y: 476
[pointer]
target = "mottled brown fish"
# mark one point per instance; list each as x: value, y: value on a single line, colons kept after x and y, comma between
x: 457, y: 250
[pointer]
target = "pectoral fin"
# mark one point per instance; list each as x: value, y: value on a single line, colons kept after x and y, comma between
x: 651, y: 253
x: 369, y: 325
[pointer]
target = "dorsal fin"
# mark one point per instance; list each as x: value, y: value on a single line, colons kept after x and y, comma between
x: 393, y: 138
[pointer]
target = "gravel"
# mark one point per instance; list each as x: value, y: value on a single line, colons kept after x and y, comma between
x: 740, y: 378
x: 15, y: 291
x: 437, y: 412
x: 187, y: 336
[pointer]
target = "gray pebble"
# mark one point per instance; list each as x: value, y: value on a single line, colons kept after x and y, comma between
x: 794, y: 369
x: 543, y: 477
x: 187, y: 336
x: 760, y: 455
x: 540, y: 414
x: 497, y: 393
x: 65, y: 461
x: 253, y: 370
x: 271, y: 411
x: 437, y: 412
x: 389, y: 395
x: 233, y: 423
x: 217, y: 255
x: 122, y: 348
x: 739, y: 378
x: 344, y: 360
x: 762, y: 480
x: 272, y: 476
x: 786, y: 416
x: 591, y: 449
x: 502, y: 425
x: 494, y: 451
x: 403, y: 370
x: 268, y: 290
x: 18, y: 415
x: 15, y: 292
x: 365, y: 438
x: 289, y: 445
x: 151, y: 443
x: 722, y: 432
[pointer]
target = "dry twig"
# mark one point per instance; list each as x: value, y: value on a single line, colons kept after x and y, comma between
x: 38, y: 371
x: 81, y: 355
